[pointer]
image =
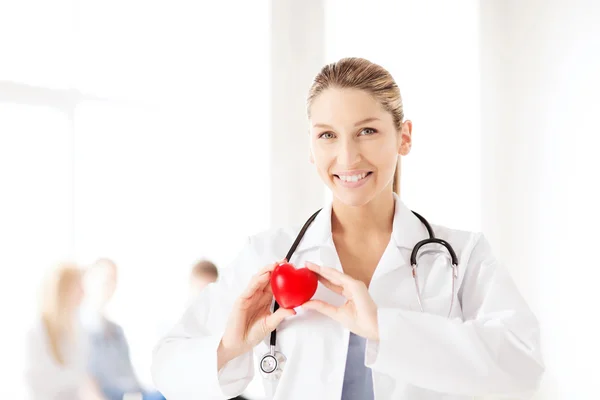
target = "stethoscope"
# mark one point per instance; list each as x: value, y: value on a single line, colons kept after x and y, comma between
x: 272, y: 364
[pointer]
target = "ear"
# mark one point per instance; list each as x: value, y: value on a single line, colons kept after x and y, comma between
x: 405, y: 138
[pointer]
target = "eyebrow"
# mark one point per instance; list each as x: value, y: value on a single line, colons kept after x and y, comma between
x: 364, y: 121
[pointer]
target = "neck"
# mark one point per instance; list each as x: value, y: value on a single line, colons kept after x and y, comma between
x: 377, y: 216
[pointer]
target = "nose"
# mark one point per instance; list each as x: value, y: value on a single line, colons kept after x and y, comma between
x: 348, y: 153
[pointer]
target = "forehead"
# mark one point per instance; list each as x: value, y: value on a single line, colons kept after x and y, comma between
x: 336, y: 106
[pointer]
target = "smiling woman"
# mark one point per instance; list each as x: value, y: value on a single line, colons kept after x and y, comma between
x: 363, y: 150
x: 365, y: 333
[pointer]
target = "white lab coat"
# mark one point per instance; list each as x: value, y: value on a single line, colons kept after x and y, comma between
x: 490, y: 346
x: 45, y: 379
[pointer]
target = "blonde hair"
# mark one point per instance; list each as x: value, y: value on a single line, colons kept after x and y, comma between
x: 57, y: 319
x: 361, y: 74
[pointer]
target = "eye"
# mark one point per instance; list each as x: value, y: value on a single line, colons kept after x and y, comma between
x: 326, y: 135
x: 367, y: 131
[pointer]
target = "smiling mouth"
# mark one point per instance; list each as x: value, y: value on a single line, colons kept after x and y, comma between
x: 353, y: 178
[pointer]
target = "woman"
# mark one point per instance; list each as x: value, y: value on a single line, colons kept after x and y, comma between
x: 363, y: 335
x: 56, y: 346
x: 109, y: 363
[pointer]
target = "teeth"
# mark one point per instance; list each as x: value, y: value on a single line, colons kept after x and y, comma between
x: 353, y: 178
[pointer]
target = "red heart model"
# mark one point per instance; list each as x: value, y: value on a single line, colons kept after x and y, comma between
x: 293, y: 287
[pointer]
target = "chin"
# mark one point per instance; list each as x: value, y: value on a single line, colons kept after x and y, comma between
x: 353, y: 198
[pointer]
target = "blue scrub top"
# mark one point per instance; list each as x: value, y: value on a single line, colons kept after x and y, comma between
x: 358, y: 382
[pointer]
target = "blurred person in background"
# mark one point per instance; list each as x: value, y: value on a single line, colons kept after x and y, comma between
x: 56, y: 346
x: 109, y: 362
x: 203, y: 273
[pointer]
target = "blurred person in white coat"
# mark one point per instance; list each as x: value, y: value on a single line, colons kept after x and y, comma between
x: 56, y: 346
x: 202, y: 274
x: 378, y: 326
x: 109, y: 363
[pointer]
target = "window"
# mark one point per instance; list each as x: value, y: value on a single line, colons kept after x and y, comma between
x: 143, y: 125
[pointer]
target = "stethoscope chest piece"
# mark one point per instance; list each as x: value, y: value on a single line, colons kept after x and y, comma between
x: 272, y: 364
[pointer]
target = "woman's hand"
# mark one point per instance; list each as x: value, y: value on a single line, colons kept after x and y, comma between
x: 251, y: 319
x: 358, y: 314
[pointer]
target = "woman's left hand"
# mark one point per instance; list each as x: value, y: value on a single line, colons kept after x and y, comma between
x: 358, y: 314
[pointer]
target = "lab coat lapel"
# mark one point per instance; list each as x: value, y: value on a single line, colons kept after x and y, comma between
x: 407, y: 231
x: 317, y: 244
x: 319, y: 232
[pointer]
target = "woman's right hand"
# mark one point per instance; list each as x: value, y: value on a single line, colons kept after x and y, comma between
x: 251, y: 319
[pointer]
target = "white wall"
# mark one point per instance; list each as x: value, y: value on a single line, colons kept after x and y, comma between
x: 31, y: 231
x: 297, y: 54
x: 540, y: 63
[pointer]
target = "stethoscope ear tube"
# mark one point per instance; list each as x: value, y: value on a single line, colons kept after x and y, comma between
x: 415, y: 251
x: 289, y: 256
x: 413, y: 262
x: 290, y: 253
